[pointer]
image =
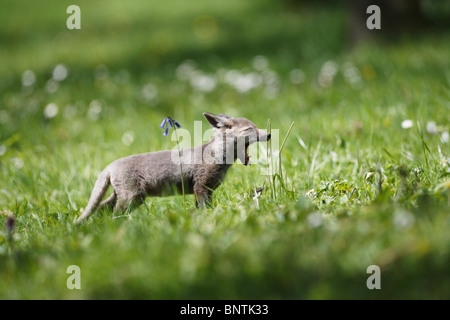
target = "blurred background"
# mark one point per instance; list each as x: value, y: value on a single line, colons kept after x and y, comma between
x: 148, y: 54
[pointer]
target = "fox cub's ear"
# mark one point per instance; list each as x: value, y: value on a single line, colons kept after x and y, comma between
x: 219, y: 121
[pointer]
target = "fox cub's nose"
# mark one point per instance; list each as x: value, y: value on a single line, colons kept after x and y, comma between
x: 263, y: 136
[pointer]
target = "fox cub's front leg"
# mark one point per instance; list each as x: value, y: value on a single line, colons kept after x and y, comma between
x: 202, y: 196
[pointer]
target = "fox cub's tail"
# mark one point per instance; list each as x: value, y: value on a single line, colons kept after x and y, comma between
x: 100, y: 188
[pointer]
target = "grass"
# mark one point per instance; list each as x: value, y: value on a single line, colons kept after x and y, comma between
x: 356, y: 189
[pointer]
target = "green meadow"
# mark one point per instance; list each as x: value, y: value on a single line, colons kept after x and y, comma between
x: 362, y: 178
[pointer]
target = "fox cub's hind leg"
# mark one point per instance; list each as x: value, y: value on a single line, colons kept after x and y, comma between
x: 108, y: 203
x: 128, y: 202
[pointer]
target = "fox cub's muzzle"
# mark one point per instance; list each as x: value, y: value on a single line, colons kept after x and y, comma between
x: 263, y: 136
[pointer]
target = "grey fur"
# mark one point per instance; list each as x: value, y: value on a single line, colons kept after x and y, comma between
x: 135, y: 177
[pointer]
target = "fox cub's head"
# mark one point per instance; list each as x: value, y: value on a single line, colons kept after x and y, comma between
x: 238, y: 133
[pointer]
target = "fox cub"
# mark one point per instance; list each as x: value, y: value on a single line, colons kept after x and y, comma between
x: 135, y: 177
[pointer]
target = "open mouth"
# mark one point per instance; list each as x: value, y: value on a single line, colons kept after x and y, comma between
x: 244, y: 156
x: 247, y: 157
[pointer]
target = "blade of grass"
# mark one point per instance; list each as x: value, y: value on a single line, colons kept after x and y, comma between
x: 280, y: 171
x: 313, y: 161
x: 269, y: 153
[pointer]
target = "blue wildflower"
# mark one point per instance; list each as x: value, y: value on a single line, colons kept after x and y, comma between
x: 163, y: 123
x: 176, y: 123
x: 167, y: 123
